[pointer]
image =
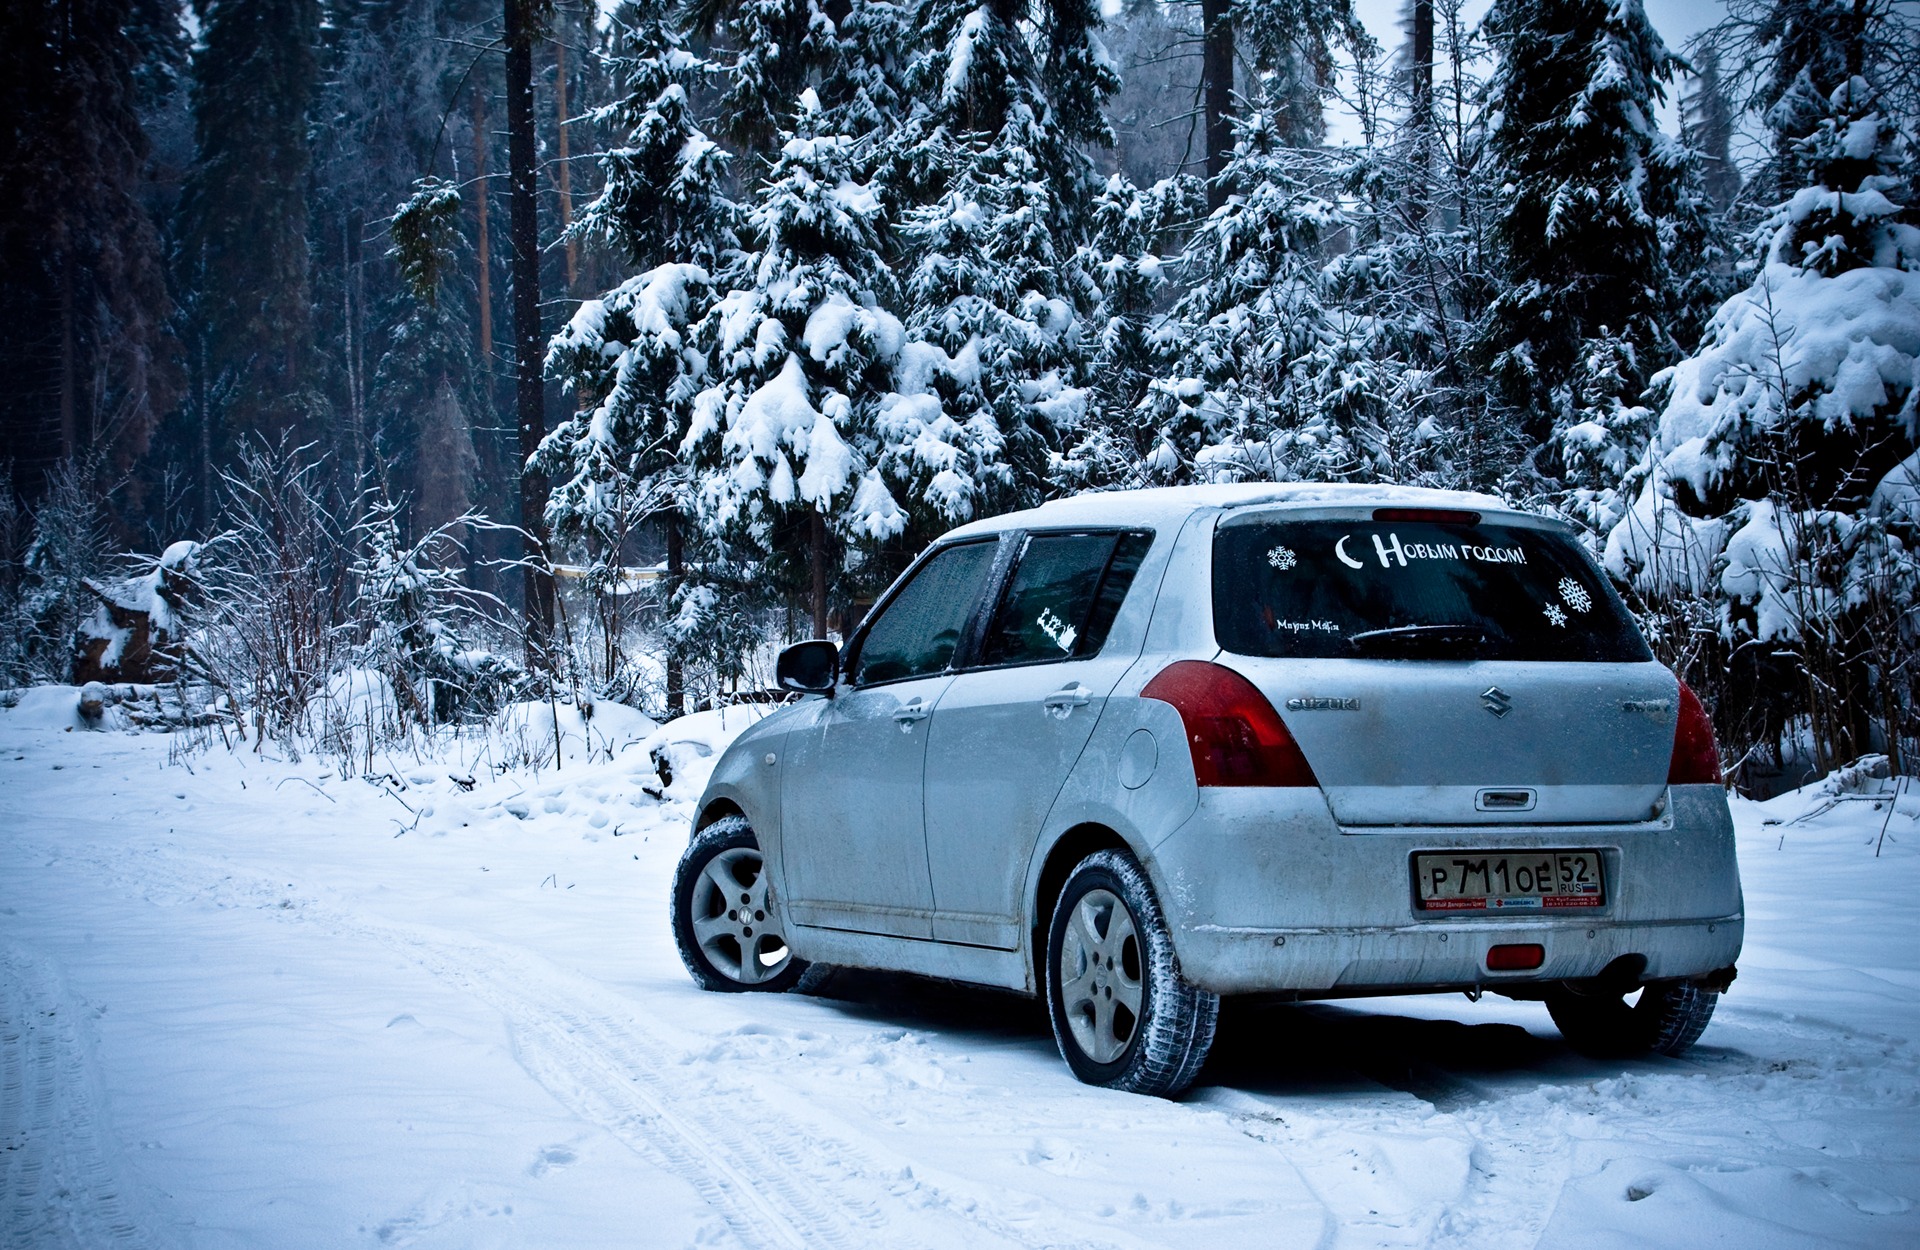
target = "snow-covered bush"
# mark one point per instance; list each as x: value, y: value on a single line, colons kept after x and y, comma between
x: 277, y: 587
x: 43, y: 588
x: 412, y: 605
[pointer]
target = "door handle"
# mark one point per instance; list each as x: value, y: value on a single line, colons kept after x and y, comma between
x: 1065, y: 700
x: 909, y: 712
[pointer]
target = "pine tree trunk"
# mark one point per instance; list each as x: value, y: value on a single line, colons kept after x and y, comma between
x: 483, y: 255
x: 1421, y: 118
x: 355, y: 354
x: 566, y: 175
x: 1216, y: 76
x: 524, y: 229
x: 203, y: 405
x: 69, y: 364
x: 819, y: 575
x: 676, y: 566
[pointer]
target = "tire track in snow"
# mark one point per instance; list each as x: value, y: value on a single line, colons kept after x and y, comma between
x: 775, y: 1180
x: 57, y: 1183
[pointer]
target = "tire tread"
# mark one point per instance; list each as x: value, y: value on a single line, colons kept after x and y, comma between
x: 1181, y: 1019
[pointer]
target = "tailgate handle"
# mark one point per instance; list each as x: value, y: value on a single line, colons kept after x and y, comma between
x: 1511, y: 800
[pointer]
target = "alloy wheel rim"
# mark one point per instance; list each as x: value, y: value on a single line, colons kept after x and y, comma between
x: 1101, y: 987
x: 734, y: 921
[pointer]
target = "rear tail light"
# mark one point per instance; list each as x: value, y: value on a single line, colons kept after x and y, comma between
x: 1696, y: 756
x: 1236, y: 737
x: 1519, y: 957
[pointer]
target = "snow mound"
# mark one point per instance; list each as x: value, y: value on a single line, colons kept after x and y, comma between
x: 46, y: 707
x: 683, y: 752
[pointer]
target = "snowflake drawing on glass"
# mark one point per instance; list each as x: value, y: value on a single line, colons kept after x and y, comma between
x: 1282, y: 558
x: 1575, y: 594
x: 1555, y: 615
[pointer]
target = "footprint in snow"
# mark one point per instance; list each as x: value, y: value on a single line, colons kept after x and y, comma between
x: 550, y: 1158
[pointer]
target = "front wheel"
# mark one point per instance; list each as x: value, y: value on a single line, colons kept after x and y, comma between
x: 1122, y: 1014
x: 726, y: 921
x: 1669, y: 1017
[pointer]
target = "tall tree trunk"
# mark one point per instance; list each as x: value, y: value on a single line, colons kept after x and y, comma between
x: 483, y: 255
x: 676, y: 566
x: 819, y: 522
x: 566, y: 172
x: 203, y: 405
x: 1216, y: 78
x: 1422, y: 115
x: 530, y: 387
x: 69, y: 362
x: 356, y: 355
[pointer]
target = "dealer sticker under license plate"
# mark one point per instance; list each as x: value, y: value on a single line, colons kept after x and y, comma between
x: 1507, y: 880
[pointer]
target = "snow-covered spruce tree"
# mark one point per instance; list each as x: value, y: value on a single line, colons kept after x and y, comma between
x: 427, y: 388
x: 785, y: 435
x: 1269, y: 383
x: 1417, y: 268
x: 771, y: 50
x: 1134, y: 245
x: 994, y: 158
x: 626, y: 356
x: 1783, y: 479
x: 1593, y: 189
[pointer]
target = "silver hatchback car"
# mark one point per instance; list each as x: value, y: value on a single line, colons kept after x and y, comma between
x: 1139, y: 750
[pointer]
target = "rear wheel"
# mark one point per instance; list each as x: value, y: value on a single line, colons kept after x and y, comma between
x: 1122, y: 1014
x: 726, y: 920
x: 1668, y: 1018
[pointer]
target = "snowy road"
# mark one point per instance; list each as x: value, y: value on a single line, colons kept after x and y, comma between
x: 257, y: 1005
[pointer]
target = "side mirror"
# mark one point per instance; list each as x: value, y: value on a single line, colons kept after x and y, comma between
x: 810, y: 667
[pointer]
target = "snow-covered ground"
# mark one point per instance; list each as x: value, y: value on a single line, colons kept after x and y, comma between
x: 246, y: 1003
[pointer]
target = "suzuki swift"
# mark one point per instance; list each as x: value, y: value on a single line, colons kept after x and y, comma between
x: 1136, y: 751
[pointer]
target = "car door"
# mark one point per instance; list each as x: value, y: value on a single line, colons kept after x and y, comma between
x: 852, y: 835
x: 1012, y: 724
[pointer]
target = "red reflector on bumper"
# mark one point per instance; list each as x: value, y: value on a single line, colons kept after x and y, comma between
x: 1516, y: 958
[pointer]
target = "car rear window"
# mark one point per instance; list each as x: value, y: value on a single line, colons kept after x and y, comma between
x: 1413, y: 589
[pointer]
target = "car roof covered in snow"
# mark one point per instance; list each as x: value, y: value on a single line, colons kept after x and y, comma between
x: 1167, y: 504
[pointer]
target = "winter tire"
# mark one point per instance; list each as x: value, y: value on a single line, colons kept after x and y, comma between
x: 1669, y: 1018
x: 1122, y: 1014
x: 726, y: 920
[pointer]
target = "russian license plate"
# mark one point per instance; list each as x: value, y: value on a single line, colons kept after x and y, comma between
x: 1507, y: 880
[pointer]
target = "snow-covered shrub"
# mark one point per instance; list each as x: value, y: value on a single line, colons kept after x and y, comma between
x: 412, y: 604
x: 43, y: 590
x: 277, y: 587
x: 1781, y: 475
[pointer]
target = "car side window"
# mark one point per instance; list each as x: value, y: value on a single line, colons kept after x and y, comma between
x: 1063, y: 597
x: 916, y: 633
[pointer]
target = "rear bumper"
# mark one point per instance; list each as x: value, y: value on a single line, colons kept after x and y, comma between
x: 1264, y: 892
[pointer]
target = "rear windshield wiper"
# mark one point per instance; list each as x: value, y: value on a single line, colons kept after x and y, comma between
x: 1417, y: 637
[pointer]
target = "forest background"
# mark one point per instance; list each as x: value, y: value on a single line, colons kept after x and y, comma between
x: 504, y: 347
